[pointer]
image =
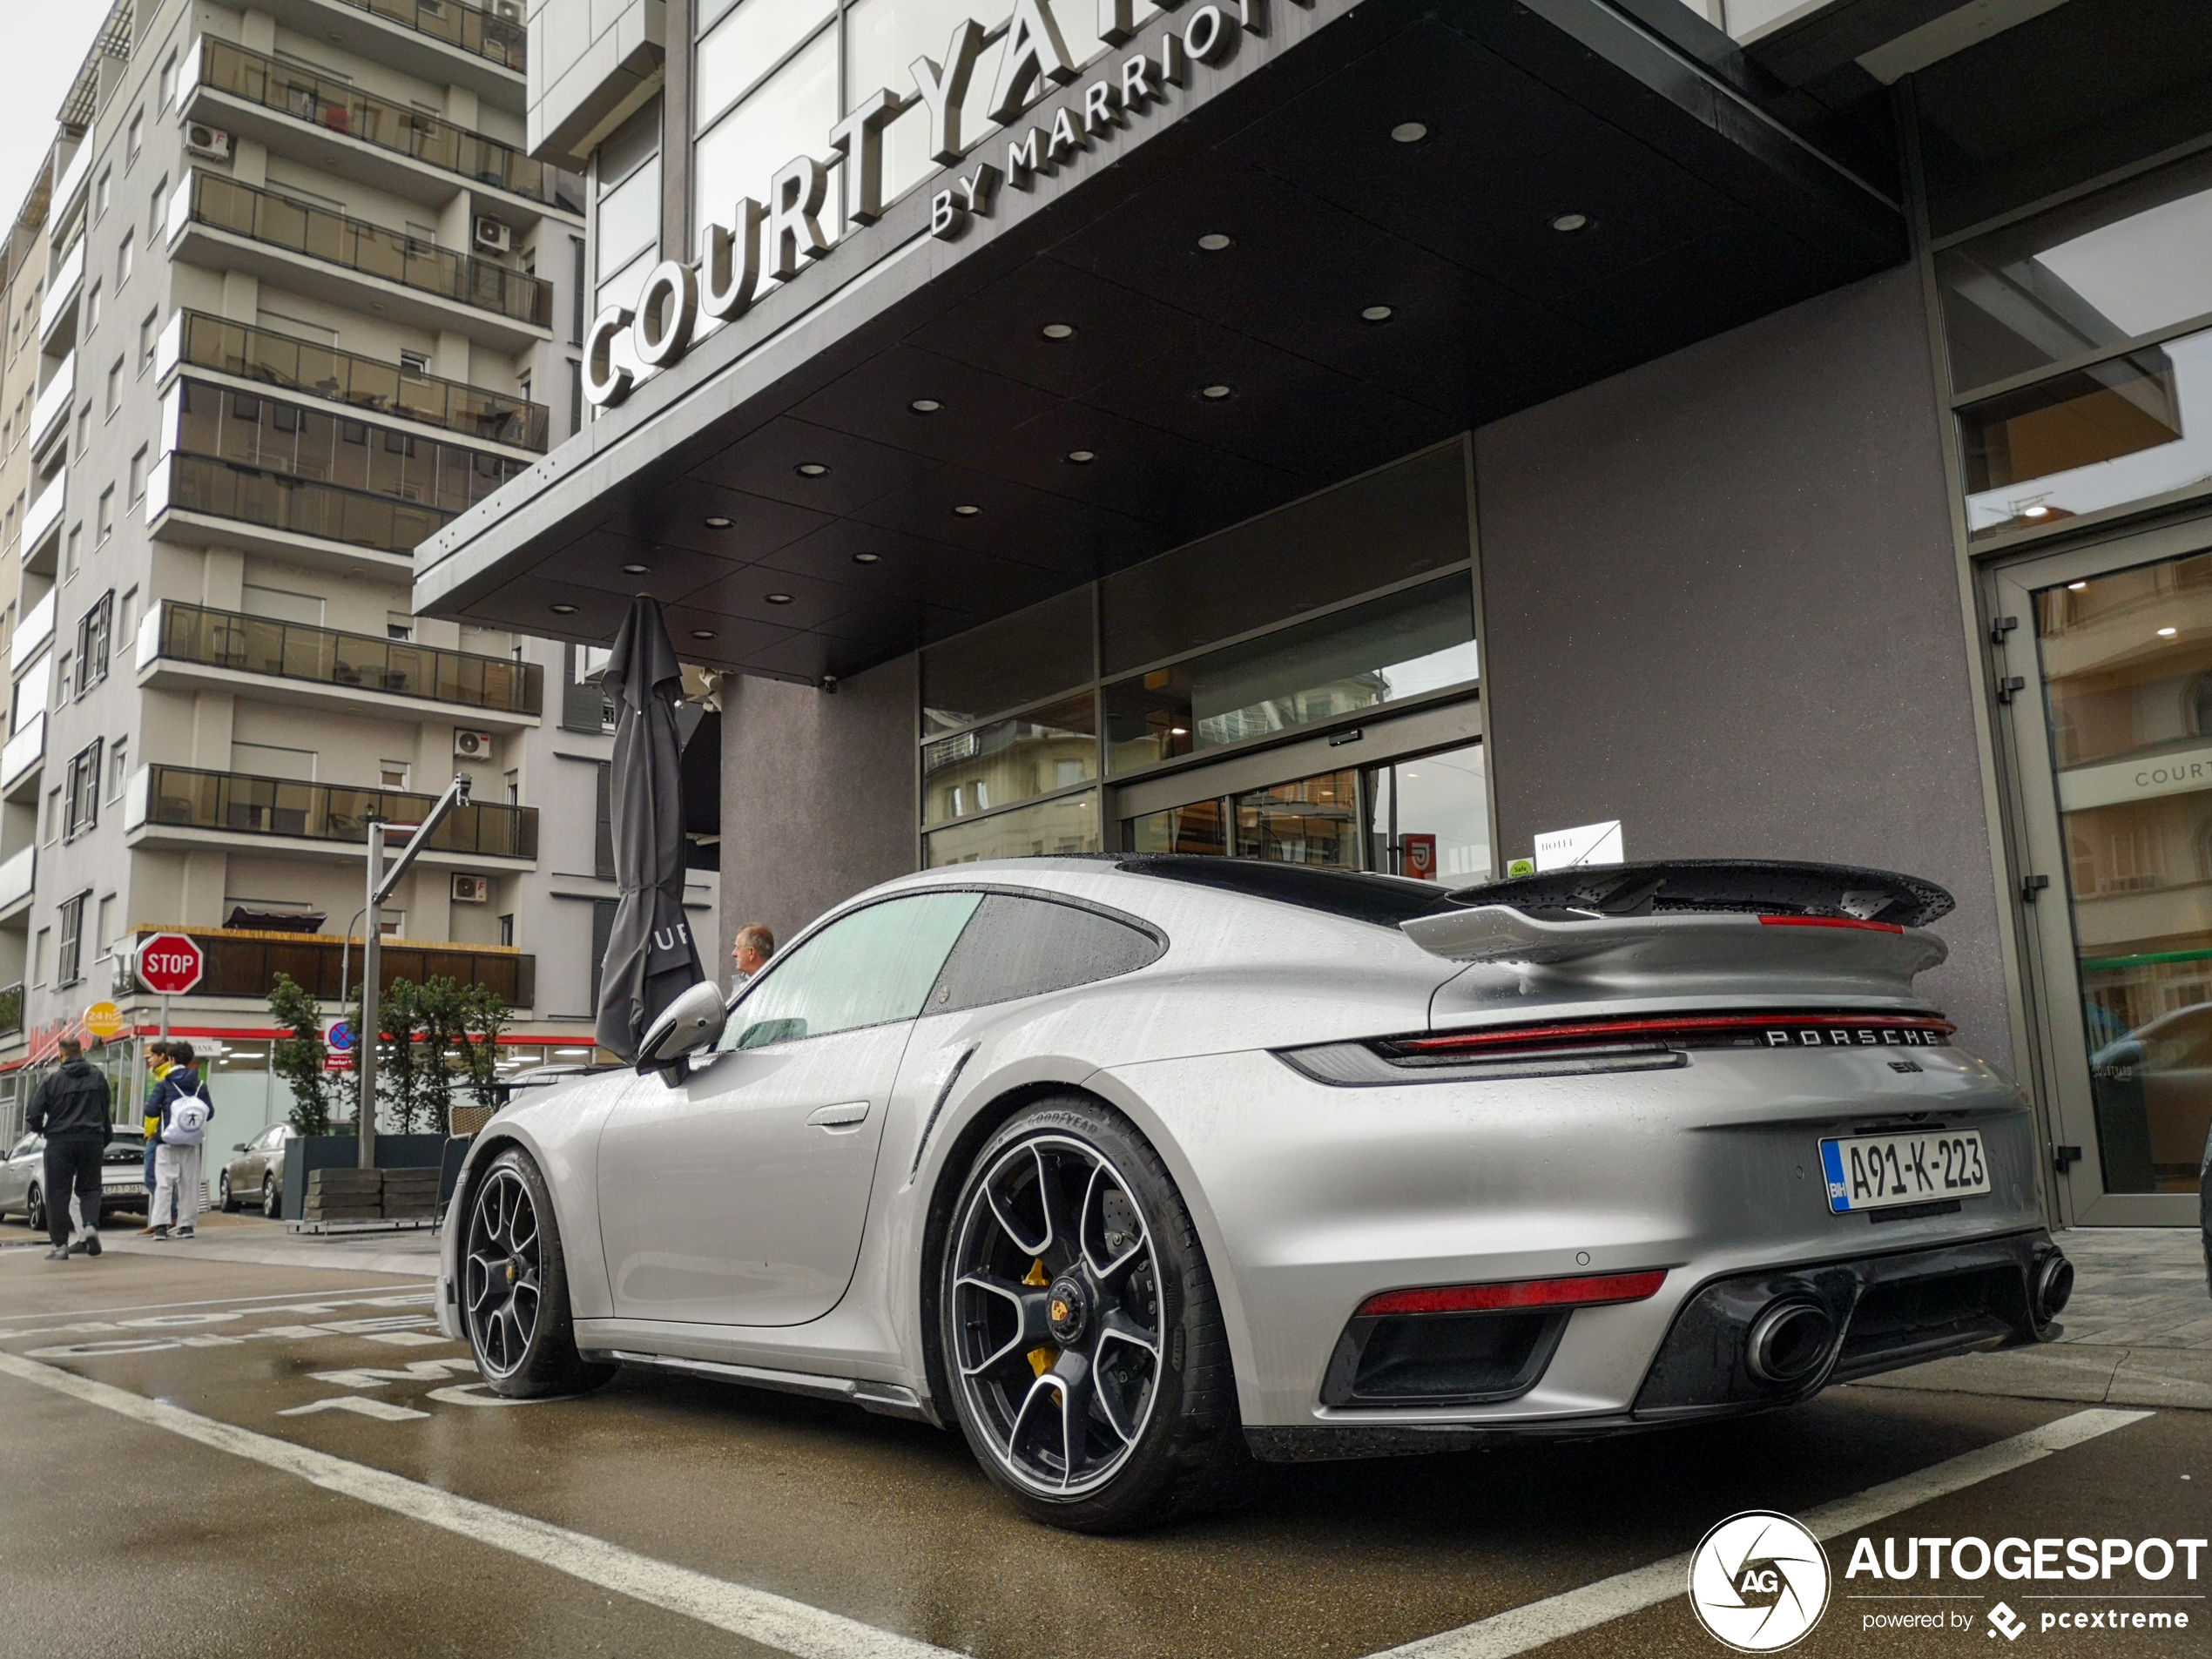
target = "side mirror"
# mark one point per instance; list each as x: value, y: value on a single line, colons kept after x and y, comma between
x: 693, y: 1021
x: 238, y: 1146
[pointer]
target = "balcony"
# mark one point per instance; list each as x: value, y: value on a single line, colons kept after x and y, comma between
x: 220, y: 223
x: 31, y: 633
x: 181, y: 806
x: 41, y: 521
x: 324, y: 667
x: 197, y: 340
x: 16, y: 880
x: 20, y: 756
x: 71, y: 185
x: 51, y: 412
x: 199, y: 501
x: 12, y: 1009
x: 60, y: 303
x: 241, y: 962
x: 423, y: 155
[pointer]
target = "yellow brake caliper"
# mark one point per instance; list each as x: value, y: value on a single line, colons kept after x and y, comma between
x: 1040, y: 1359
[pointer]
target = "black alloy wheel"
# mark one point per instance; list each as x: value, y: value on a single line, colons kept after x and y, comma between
x: 515, y: 1290
x: 34, y: 1208
x: 224, y: 1201
x: 1084, y: 1343
x: 271, y: 1205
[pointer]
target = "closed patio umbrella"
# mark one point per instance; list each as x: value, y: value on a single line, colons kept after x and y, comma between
x: 651, y: 957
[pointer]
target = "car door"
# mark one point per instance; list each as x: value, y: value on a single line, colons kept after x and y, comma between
x: 15, y: 1174
x: 738, y: 1194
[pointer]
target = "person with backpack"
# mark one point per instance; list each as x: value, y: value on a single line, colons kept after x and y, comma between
x: 158, y: 1067
x: 183, y: 1107
x: 70, y: 1110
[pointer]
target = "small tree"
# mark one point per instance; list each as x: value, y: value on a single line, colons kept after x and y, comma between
x: 484, y: 1016
x: 298, y: 1059
x: 427, y: 1029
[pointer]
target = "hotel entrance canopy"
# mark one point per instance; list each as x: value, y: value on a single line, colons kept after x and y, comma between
x: 1261, y: 261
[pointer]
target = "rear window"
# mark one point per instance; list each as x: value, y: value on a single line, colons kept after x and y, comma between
x: 1382, y: 900
x: 1016, y: 947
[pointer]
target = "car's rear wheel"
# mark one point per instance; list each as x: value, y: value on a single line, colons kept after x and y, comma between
x: 224, y: 1201
x: 272, y: 1206
x: 34, y: 1208
x: 1081, y: 1333
x: 514, y: 1287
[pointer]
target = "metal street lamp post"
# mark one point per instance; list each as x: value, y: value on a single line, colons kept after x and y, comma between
x: 382, y: 882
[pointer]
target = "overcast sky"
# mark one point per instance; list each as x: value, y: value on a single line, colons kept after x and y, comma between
x: 46, y: 41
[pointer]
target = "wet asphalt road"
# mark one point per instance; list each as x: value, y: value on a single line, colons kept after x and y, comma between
x: 124, y: 1537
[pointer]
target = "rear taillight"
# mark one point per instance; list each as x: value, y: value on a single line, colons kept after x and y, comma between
x: 1564, y: 1046
x: 1595, y: 1290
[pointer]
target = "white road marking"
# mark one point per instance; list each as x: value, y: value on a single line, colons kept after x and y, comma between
x: 409, y: 1338
x: 1534, y: 1623
x: 382, y: 1410
x: 347, y: 1300
x: 436, y: 1371
x: 772, y: 1621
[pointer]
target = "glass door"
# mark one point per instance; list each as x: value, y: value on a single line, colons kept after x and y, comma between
x: 2113, y: 733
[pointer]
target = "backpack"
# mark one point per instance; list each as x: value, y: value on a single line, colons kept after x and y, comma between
x: 187, y: 1124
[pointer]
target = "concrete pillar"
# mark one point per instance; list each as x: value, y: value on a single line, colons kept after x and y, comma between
x: 461, y: 107
x: 214, y: 715
x: 206, y: 876
x: 241, y: 296
x: 222, y: 578
x: 249, y: 161
x: 451, y: 358
x: 257, y: 31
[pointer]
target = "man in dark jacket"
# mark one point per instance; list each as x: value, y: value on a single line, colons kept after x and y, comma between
x: 70, y: 1110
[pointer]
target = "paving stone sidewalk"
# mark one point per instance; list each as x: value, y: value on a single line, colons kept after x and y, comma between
x: 2138, y: 1332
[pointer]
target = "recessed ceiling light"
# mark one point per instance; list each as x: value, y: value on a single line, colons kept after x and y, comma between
x: 1178, y: 732
x: 1409, y: 132
x: 2168, y: 633
x: 1216, y: 390
x: 1082, y: 457
x: 564, y: 610
x: 1378, y: 313
x: 636, y: 569
x: 779, y: 598
x: 1571, y: 222
x: 2075, y: 587
x: 2034, y: 512
x: 702, y: 633
x: 1058, y: 330
x: 811, y: 469
x: 718, y: 524
x: 925, y: 406
x: 867, y: 559
x: 966, y: 511
x: 1214, y: 241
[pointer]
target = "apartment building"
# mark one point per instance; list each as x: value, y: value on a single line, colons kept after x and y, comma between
x: 290, y: 297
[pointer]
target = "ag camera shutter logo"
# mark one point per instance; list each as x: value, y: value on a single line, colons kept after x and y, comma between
x: 1759, y: 1581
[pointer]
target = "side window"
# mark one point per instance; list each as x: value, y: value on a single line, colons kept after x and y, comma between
x: 867, y: 968
x: 25, y: 1147
x: 1027, y: 946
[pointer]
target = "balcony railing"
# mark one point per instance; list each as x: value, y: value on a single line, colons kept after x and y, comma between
x: 62, y: 291
x: 24, y: 751
x: 281, y: 501
x: 16, y: 874
x: 189, y: 633
x: 33, y: 631
x: 43, y: 514
x: 202, y: 341
x: 338, y: 107
x: 279, y: 221
x: 241, y: 962
x: 12, y: 1009
x: 470, y: 27
x: 53, y: 402
x: 186, y: 797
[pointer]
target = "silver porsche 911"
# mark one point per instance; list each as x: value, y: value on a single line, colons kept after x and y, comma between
x: 1136, y: 1167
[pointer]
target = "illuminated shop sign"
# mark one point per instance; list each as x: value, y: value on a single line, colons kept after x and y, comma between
x: 782, y: 237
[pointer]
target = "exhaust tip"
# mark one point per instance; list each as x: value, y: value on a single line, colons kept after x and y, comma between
x: 1789, y: 1342
x: 2053, y: 1287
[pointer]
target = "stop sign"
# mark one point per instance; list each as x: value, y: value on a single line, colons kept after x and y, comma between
x: 171, y: 964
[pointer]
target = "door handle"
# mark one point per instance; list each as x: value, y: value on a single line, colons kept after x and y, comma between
x: 851, y: 1115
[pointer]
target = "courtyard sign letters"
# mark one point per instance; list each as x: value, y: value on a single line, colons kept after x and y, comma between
x: 783, y: 237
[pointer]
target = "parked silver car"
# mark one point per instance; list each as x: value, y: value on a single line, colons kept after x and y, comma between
x: 1133, y: 1166
x: 256, y: 1172
x: 23, y: 1177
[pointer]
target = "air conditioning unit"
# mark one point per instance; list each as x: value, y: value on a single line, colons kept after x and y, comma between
x: 471, y: 889
x: 472, y: 745
x: 492, y: 236
x: 507, y: 10
x: 211, y: 141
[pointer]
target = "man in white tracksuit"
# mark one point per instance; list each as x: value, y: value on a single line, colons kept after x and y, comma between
x: 184, y: 1109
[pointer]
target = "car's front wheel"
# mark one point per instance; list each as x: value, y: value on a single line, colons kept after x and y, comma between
x: 1080, y: 1325
x: 224, y: 1201
x: 514, y: 1287
x: 34, y: 1210
x: 272, y: 1206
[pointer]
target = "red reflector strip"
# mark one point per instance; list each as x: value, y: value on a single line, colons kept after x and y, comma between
x: 1592, y: 1291
x: 1685, y: 1025
x: 1829, y: 922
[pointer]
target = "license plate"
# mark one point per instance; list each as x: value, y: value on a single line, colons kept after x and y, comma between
x: 1875, y: 1171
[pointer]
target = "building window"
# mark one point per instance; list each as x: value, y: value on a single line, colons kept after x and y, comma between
x: 575, y: 397
x: 39, y: 951
x: 415, y: 362
x: 94, y: 633
x: 83, y: 428
x: 119, y: 768
x: 602, y: 840
x: 575, y: 310
x: 114, y: 388
x: 392, y: 774
x: 168, y: 80
x: 514, y: 781
x: 64, y: 679
x: 104, y: 934
x: 506, y: 929
x: 50, y: 831
x: 81, y: 793
x: 72, y: 549
x: 399, y: 624
x: 106, y: 521
x: 585, y: 705
x: 135, y: 139
x: 125, y: 253
x: 125, y: 614
x: 149, y: 332
x: 158, y: 208
x: 138, y: 475
x: 102, y: 193
x: 68, y: 968
x: 603, y: 930
x: 92, y: 308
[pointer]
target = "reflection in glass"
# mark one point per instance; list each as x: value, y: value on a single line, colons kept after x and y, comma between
x: 1196, y: 828
x: 745, y: 44
x: 1068, y: 825
x: 2126, y: 669
x: 1010, y: 761
x: 1405, y: 645
x: 789, y: 114
x: 1002, y: 664
x: 1314, y: 821
x: 868, y: 968
x: 1430, y: 818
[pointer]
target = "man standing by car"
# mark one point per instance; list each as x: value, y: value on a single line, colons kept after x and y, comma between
x: 70, y: 1110
x: 749, y: 953
x: 180, y: 1111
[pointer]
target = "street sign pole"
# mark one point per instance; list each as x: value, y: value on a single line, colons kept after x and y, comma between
x: 372, y: 987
